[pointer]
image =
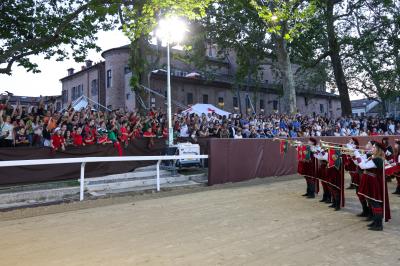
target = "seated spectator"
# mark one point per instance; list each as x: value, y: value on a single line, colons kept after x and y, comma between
x: 6, y: 131
x: 238, y: 134
x: 89, y: 138
x: 57, y: 140
x: 102, y: 134
x: 124, y: 134
x: 184, y: 131
x: 69, y: 141
x: 78, y: 139
x: 21, y: 138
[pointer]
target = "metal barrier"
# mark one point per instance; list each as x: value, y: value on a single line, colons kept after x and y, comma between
x: 85, y: 160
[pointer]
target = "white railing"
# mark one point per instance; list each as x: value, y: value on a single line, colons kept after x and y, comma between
x: 85, y: 160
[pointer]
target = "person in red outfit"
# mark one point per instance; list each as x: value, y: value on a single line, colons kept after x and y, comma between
x: 150, y: 136
x: 373, y: 185
x: 78, y: 139
x: 124, y: 134
x: 57, y: 141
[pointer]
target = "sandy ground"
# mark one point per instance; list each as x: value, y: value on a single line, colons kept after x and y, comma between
x: 252, y: 223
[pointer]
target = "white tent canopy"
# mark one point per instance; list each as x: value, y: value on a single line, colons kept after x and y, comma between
x: 83, y: 101
x: 80, y: 103
x: 201, y: 108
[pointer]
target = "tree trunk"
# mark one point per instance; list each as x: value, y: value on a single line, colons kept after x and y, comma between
x: 336, y: 62
x: 285, y: 67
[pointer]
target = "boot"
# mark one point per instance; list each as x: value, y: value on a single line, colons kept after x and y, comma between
x: 312, y: 192
x: 308, y: 190
x: 328, y: 199
x: 370, y: 215
x: 337, y: 207
x: 378, y: 224
x: 397, y: 191
x: 365, y: 211
x: 333, y: 205
x: 372, y: 224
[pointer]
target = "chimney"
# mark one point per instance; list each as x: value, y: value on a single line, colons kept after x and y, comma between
x: 89, y: 63
x: 70, y: 71
x: 83, y: 67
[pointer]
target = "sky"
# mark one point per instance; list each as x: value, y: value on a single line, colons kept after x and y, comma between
x: 47, y: 82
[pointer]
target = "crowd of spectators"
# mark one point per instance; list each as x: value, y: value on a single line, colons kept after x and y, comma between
x: 41, y: 126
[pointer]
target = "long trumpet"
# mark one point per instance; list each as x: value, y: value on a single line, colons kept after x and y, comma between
x: 334, y: 143
x: 343, y: 150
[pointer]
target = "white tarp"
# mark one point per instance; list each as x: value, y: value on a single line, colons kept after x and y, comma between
x: 83, y: 101
x: 80, y: 103
x: 202, y: 108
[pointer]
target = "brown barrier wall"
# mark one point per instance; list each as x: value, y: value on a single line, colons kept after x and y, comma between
x: 234, y: 160
x: 42, y: 173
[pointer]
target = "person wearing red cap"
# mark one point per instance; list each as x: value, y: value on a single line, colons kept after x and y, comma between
x: 373, y: 185
x: 310, y: 169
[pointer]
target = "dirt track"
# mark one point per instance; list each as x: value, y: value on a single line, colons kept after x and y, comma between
x: 252, y: 223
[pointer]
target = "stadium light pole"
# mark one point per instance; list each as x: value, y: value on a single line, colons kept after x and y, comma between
x: 170, y: 30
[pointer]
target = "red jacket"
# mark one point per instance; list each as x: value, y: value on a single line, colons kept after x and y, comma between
x: 58, y: 141
x: 78, y: 140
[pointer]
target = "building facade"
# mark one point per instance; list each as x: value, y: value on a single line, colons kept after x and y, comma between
x: 190, y: 86
x: 88, y: 81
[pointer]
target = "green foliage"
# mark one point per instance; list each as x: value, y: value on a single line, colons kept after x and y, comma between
x: 285, y: 18
x: 32, y: 27
x: 140, y: 20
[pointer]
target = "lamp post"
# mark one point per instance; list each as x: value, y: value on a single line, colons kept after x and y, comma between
x: 170, y: 30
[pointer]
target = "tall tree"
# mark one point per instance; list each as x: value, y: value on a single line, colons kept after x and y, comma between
x: 32, y: 27
x: 326, y: 38
x: 240, y: 35
x: 373, y: 50
x: 334, y: 53
x: 285, y: 19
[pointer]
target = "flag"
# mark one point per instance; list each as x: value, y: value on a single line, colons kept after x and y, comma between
x: 301, y: 152
x: 307, y: 153
x: 283, y: 146
x: 334, y: 158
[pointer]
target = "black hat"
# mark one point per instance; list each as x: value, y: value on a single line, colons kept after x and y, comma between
x: 380, y: 146
x: 314, y: 141
x: 355, y: 141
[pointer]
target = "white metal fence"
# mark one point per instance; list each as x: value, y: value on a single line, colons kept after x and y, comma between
x: 85, y: 160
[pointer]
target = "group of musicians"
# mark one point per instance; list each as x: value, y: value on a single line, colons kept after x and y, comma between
x: 369, y: 169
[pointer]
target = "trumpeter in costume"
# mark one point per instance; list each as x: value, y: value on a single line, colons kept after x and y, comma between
x: 349, y: 164
x: 373, y: 185
x: 309, y: 169
x: 322, y: 157
x: 394, y: 171
x: 335, y: 178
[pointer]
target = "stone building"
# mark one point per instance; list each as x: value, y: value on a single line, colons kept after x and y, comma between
x: 89, y: 81
x: 190, y: 86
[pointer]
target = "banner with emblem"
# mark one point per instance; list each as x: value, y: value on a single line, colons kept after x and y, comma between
x: 301, y: 152
x: 284, y: 145
x: 334, y: 158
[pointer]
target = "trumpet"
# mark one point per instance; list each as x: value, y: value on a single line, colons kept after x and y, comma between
x: 292, y: 143
x: 343, y: 150
x: 334, y: 143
